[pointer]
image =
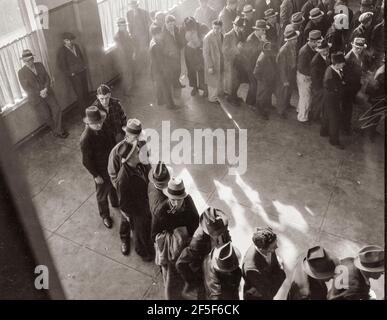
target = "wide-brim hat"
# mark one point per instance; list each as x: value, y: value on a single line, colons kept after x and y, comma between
x: 175, y: 189
x: 319, y: 264
x: 295, y: 34
x: 213, y: 221
x: 260, y: 24
x: 94, y: 115
x: 359, y: 43
x: 27, y: 55
x: 315, y: 35
x: 248, y: 8
x: 370, y: 259
x: 68, y: 36
x: 160, y: 175
x: 269, y: 13
x: 297, y: 18
x: 315, y: 13
x: 134, y: 127
x: 239, y: 21
x: 226, y: 258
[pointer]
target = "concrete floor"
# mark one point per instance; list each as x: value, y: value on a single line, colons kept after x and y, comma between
x: 307, y: 191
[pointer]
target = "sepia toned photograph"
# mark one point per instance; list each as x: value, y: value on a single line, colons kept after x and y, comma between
x: 192, y: 150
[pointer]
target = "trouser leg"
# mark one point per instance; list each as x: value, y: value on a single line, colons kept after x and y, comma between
x: 124, y: 229
x: 173, y: 283
x: 304, y: 89
x: 346, y: 114
x: 142, y: 234
x: 80, y: 86
x: 102, y: 193
x: 55, y: 113
x: 113, y: 197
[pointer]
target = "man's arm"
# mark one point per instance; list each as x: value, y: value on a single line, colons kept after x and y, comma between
x: 88, y: 159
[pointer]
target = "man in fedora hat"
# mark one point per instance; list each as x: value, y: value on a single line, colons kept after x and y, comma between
x: 132, y: 189
x: 205, y: 14
x: 228, y: 15
x: 96, y: 144
x: 248, y: 14
x: 233, y: 66
x: 36, y: 82
x: 287, y: 8
x: 297, y: 22
x: 126, y: 56
x: 316, y: 21
x: 262, y: 272
x: 250, y: 52
x: 273, y: 28
x: 72, y: 63
x: 287, y: 68
x: 304, y: 80
x: 334, y: 87
x: 262, y: 5
x: 311, y: 274
x: 222, y: 274
x: 158, y: 181
x: 178, y: 211
x: 214, y: 62
x: 266, y: 80
x: 307, y: 7
x: 133, y: 134
x: 355, y: 70
x: 319, y: 64
x: 116, y: 117
x: 368, y: 264
x: 211, y: 233
x: 139, y: 22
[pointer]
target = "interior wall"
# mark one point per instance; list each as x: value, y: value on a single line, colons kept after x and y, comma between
x: 80, y: 17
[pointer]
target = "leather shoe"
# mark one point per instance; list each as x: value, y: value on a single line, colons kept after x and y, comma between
x: 108, y: 222
x: 125, y: 248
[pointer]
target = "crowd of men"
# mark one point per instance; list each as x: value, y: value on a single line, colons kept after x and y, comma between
x: 318, y: 48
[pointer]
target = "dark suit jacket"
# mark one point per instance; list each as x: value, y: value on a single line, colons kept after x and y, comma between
x: 304, y: 287
x: 357, y: 288
x: 69, y: 63
x: 317, y: 71
x: 262, y: 281
x: 33, y: 84
x: 333, y: 89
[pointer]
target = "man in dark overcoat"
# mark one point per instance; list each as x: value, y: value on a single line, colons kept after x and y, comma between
x: 36, y: 82
x: 262, y: 272
x: 228, y: 15
x: 334, y: 87
x: 311, y: 274
x: 96, y: 144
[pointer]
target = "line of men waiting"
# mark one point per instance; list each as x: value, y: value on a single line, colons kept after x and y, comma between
x: 195, y: 252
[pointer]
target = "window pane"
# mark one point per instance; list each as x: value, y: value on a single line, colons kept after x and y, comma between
x: 11, y: 22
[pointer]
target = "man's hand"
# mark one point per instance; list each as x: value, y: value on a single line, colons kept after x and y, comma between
x: 211, y: 70
x: 286, y: 84
x: 43, y: 93
x: 98, y: 180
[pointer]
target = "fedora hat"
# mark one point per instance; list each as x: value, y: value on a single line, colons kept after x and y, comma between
x: 226, y: 258
x: 323, y: 45
x: 370, y: 259
x: 318, y: 264
x: 160, y: 175
x: 260, y: 24
x: 134, y: 126
x: 248, y: 8
x: 175, y: 189
x: 27, y: 55
x: 290, y: 33
x: 68, y: 36
x: 270, y: 13
x: 94, y: 115
x: 297, y: 18
x: 359, y: 43
x: 315, y: 13
x: 366, y: 17
x: 315, y: 35
x: 121, y: 22
x: 239, y: 21
x: 214, y: 222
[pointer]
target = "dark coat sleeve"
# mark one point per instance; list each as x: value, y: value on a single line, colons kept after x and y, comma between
x: 193, y: 222
x: 62, y: 61
x: 88, y: 158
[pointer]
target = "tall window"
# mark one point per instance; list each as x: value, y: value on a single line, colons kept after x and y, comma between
x: 18, y: 31
x: 111, y: 10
